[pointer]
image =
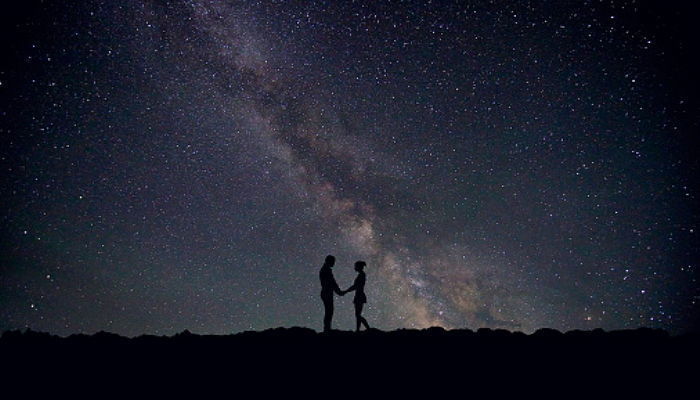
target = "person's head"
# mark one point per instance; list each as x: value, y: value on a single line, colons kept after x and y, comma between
x: 360, y: 266
x: 330, y: 261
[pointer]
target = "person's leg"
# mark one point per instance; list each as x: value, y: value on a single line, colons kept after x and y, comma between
x: 328, y: 313
x: 364, y: 322
x: 358, y: 315
x: 360, y: 320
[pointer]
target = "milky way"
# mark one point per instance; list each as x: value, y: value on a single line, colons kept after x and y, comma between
x: 188, y: 165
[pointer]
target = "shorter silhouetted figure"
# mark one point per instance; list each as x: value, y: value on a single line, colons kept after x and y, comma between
x: 328, y: 286
x: 360, y: 298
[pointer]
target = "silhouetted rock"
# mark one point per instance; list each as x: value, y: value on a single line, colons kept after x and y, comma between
x: 547, y: 333
x: 435, y: 330
x: 184, y: 334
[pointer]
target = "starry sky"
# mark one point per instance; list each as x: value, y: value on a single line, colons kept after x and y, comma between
x: 171, y: 165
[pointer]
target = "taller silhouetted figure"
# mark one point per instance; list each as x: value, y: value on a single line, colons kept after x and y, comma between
x: 360, y: 298
x: 328, y: 286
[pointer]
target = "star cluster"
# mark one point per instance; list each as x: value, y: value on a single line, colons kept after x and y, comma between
x: 506, y: 164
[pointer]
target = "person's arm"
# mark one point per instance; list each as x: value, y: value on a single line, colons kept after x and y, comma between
x: 351, y: 288
x: 336, y: 288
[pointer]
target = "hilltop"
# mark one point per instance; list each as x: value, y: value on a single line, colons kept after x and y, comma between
x: 302, y: 356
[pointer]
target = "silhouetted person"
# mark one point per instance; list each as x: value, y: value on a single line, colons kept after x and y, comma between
x: 360, y: 298
x: 328, y: 286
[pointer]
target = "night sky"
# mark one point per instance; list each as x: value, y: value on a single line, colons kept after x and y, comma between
x: 504, y: 164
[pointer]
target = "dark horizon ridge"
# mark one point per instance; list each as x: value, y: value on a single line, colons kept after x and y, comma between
x: 300, y: 331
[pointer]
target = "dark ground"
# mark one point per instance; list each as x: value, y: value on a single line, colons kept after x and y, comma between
x: 408, y: 362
